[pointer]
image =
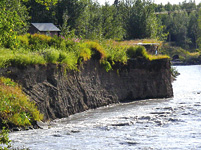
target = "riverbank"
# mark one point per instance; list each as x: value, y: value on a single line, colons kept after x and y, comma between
x: 172, y: 123
x: 59, y: 93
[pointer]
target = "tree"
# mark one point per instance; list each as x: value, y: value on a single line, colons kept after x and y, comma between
x: 199, y: 29
x: 13, y: 21
x: 193, y: 28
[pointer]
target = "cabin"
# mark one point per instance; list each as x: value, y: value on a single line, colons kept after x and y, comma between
x: 44, y: 28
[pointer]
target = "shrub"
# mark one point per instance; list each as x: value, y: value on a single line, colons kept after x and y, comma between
x: 97, y: 50
x: 137, y: 52
x: 4, y: 139
x: 70, y: 60
x: 62, y: 56
x: 116, y: 53
x: 15, y: 107
x: 39, y: 41
x: 24, y: 40
x: 84, y: 52
x: 106, y: 64
x: 52, y: 55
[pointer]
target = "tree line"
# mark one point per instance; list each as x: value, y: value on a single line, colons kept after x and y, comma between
x: 123, y: 20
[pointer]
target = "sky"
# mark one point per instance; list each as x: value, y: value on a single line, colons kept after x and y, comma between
x: 156, y: 1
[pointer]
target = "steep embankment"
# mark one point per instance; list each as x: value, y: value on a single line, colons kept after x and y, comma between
x: 60, y: 94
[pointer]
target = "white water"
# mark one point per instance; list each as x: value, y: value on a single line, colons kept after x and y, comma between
x: 173, y: 123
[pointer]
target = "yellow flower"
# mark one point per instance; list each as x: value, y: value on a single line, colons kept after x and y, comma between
x: 45, y: 4
x: 11, y: 30
x: 15, y: 37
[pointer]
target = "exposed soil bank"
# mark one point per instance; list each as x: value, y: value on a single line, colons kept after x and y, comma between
x: 59, y: 94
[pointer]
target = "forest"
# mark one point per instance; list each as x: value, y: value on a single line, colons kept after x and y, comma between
x: 123, y: 20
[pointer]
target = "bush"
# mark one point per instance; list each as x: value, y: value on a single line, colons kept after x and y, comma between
x: 52, y: 55
x: 97, y: 50
x: 106, y: 64
x: 4, y: 139
x: 116, y: 54
x: 39, y: 41
x: 71, y: 61
x: 137, y: 52
x: 15, y: 107
x: 84, y: 52
x: 24, y: 40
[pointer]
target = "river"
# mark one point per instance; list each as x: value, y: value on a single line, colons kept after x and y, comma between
x: 173, y: 123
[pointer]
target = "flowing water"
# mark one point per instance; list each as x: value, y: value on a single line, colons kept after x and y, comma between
x: 173, y: 123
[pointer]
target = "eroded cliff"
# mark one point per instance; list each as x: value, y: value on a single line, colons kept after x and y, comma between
x: 59, y: 94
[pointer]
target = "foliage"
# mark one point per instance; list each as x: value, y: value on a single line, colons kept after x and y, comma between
x: 199, y: 28
x: 13, y: 20
x: 11, y: 58
x: 4, y: 139
x: 155, y: 57
x: 174, y: 72
x: 39, y: 41
x: 70, y: 60
x: 15, y: 107
x: 116, y: 52
x: 97, y: 50
x: 137, y: 52
x: 51, y: 55
x: 106, y: 64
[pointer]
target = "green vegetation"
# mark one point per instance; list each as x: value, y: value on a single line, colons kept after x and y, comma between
x: 182, y: 55
x: 137, y: 52
x: 43, y: 49
x: 4, y: 139
x: 15, y: 107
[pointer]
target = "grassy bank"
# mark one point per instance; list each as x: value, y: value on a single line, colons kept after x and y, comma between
x: 42, y: 49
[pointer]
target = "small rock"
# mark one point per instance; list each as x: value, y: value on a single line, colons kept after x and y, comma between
x: 75, y: 131
x: 16, y: 129
x: 121, y: 124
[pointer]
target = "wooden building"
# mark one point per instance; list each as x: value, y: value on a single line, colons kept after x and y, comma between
x: 44, y: 28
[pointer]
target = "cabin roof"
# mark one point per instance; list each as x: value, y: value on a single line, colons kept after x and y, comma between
x: 45, y: 26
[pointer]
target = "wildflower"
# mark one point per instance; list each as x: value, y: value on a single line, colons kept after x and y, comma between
x: 11, y: 30
x: 62, y: 37
x: 45, y: 4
